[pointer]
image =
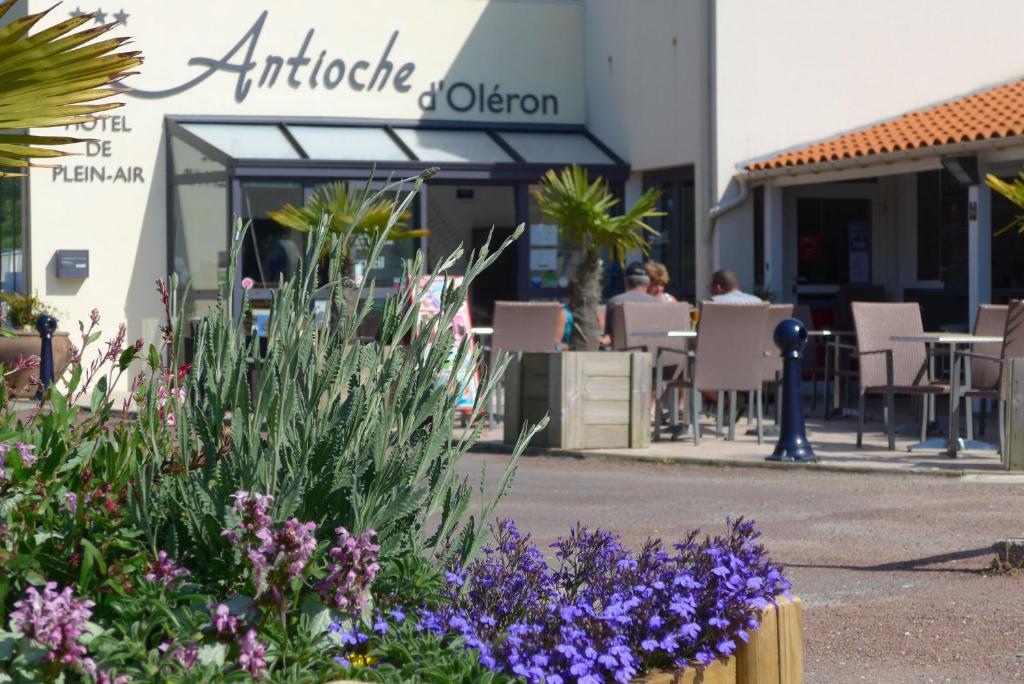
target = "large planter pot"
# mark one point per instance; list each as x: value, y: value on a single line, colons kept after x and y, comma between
x: 27, y: 343
x: 718, y: 672
x: 592, y: 399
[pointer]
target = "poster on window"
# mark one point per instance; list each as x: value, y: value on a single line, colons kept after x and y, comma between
x: 430, y: 306
x: 859, y: 233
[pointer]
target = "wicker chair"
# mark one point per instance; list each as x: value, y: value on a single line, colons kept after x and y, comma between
x: 638, y: 325
x: 729, y: 358
x: 890, y: 368
x: 843, y: 369
x: 988, y: 361
x: 524, y: 327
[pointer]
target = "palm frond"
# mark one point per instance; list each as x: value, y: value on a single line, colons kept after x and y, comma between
x: 54, y: 77
x: 358, y: 210
x: 582, y: 210
x: 1013, y: 191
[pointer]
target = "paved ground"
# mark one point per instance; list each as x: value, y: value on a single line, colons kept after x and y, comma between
x: 834, y: 443
x: 891, y: 567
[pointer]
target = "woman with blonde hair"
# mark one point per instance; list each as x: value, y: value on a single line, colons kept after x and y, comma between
x: 659, y: 279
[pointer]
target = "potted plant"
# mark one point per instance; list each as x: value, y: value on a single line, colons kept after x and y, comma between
x: 21, y: 340
x: 594, y: 398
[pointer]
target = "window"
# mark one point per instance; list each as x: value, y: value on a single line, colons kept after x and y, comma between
x: 12, y: 271
x: 271, y: 251
x: 674, y: 243
x: 833, y: 241
x: 942, y: 230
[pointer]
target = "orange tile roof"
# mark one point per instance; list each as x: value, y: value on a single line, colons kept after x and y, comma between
x: 994, y: 113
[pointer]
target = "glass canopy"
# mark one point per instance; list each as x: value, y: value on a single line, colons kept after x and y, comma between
x: 242, y: 142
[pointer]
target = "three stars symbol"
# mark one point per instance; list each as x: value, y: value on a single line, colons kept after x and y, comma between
x: 121, y: 17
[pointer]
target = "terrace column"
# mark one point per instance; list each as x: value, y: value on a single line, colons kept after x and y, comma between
x: 979, y: 247
x: 774, y: 243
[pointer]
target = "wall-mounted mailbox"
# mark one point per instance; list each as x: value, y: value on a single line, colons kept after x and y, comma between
x: 73, y: 263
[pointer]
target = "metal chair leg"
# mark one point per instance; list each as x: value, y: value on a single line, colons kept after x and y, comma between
x: 983, y: 417
x: 860, y: 419
x: 1001, y: 407
x: 720, y: 418
x: 760, y: 417
x: 969, y: 415
x: 924, y: 417
x: 695, y: 399
x: 890, y: 418
x: 732, y: 415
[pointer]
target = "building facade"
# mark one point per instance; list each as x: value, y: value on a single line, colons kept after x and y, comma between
x: 244, y: 106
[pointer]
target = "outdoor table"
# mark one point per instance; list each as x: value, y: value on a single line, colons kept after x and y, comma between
x: 832, y: 338
x: 952, y: 443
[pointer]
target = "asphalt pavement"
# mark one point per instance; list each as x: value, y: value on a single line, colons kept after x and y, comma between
x: 891, y: 568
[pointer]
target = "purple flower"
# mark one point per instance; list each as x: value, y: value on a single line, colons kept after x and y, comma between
x: 251, y: 654
x: 164, y: 570
x: 25, y: 451
x: 186, y: 656
x: 224, y: 623
x: 55, y: 620
x: 71, y: 502
x: 277, y: 554
x: 350, y: 573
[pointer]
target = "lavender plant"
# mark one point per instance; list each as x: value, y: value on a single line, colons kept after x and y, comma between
x: 340, y: 432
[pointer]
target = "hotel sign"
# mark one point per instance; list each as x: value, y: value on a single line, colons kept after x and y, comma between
x: 313, y: 66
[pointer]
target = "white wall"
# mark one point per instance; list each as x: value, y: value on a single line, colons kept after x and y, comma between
x: 791, y: 72
x: 508, y: 47
x: 648, y: 80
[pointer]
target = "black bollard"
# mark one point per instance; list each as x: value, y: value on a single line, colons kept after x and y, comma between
x: 791, y: 337
x: 46, y: 325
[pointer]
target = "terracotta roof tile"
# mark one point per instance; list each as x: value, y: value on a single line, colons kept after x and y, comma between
x: 994, y: 113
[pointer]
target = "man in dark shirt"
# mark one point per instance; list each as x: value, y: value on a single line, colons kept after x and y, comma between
x: 637, y: 281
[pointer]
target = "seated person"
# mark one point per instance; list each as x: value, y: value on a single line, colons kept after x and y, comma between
x: 725, y: 289
x: 659, y: 280
x: 637, y: 282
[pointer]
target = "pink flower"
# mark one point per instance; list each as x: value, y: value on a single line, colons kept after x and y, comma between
x: 224, y: 623
x: 247, y: 283
x: 347, y: 585
x: 164, y: 570
x: 55, y: 620
x: 186, y: 656
x: 25, y: 451
x: 94, y: 316
x: 251, y: 655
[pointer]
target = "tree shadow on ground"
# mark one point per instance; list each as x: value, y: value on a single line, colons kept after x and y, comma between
x: 913, y: 565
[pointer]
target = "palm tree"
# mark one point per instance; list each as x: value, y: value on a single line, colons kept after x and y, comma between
x: 360, y: 213
x: 581, y: 210
x: 53, y: 78
x: 1013, y: 191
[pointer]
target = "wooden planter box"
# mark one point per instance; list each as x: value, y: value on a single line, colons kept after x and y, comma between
x: 592, y: 399
x: 774, y: 654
